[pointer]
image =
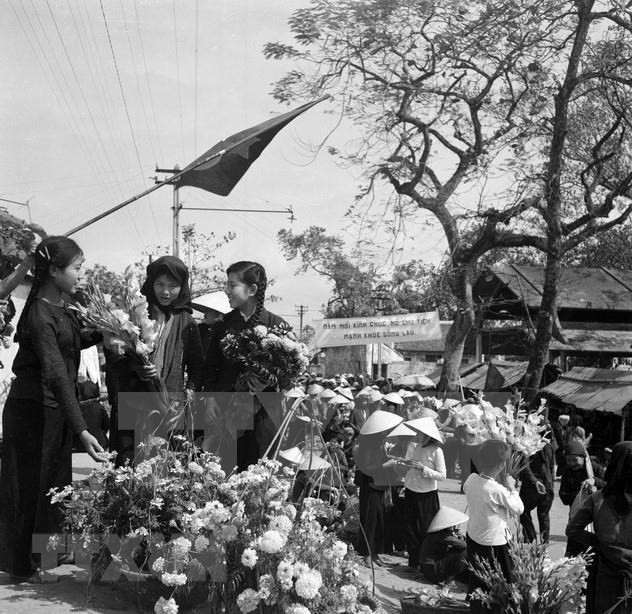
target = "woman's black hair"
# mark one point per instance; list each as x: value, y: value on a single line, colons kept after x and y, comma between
x: 252, y: 273
x: 52, y: 251
x: 174, y: 268
x: 619, y: 477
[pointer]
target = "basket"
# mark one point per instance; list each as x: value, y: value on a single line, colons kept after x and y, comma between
x: 411, y: 606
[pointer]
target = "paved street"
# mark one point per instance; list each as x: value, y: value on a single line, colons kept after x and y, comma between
x: 72, y: 593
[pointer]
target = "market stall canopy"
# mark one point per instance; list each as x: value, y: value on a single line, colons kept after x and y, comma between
x: 416, y: 379
x: 588, y: 388
x: 593, y: 340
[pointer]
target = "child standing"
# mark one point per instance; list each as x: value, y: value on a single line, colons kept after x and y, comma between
x: 490, y: 505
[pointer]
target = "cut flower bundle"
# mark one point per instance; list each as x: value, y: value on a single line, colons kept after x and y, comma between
x: 273, y: 355
x: 239, y: 535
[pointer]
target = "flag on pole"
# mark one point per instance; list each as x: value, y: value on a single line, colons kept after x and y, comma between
x: 232, y: 157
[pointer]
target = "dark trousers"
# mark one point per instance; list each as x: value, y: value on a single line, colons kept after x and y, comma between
x: 421, y: 508
x: 36, y: 456
x: 372, y: 513
x: 486, y: 553
x: 395, y: 523
x: 451, y: 566
x: 542, y: 504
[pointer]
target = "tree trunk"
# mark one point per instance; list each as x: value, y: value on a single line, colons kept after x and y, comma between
x: 461, y: 327
x: 546, y: 316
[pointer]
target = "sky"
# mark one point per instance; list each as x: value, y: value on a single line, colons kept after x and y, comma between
x: 96, y: 93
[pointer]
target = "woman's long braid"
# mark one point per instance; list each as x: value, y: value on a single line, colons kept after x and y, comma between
x: 260, y: 298
x: 39, y: 274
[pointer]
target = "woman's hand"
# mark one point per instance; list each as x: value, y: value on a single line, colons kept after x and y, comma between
x: 92, y: 447
x: 510, y: 482
x: 147, y: 372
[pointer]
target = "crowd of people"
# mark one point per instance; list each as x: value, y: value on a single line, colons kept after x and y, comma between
x: 392, y: 447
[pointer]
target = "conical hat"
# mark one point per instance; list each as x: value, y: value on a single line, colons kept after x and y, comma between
x: 426, y: 412
x: 315, y: 389
x: 338, y: 400
x: 393, y: 397
x: 292, y: 455
x: 405, y: 393
x: 365, y: 392
x: 313, y: 463
x: 427, y: 426
x: 446, y: 517
x: 345, y: 392
x: 328, y: 393
x: 375, y: 396
x: 295, y: 393
x: 379, y: 422
x: 401, y: 430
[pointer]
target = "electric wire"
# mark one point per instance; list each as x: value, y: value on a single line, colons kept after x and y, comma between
x: 129, y: 120
x: 175, y: 35
x: 147, y: 82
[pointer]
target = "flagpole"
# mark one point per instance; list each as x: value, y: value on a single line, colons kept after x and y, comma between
x: 170, y: 180
x: 187, y: 169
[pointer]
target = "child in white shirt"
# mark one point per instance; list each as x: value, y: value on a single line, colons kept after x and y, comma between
x: 490, y: 504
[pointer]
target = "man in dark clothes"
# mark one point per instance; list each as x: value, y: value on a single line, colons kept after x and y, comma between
x: 536, y: 491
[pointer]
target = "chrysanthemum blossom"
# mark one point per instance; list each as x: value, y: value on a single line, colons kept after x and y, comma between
x: 248, y: 601
x: 249, y: 558
x: 174, y: 579
x: 272, y: 542
x: 297, y: 608
x: 308, y: 584
x: 166, y: 606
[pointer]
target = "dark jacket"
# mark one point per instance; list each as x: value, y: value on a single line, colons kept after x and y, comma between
x: 220, y: 373
x: 539, y: 469
x: 572, y: 480
x: 47, y: 361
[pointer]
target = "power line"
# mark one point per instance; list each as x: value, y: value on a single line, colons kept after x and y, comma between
x: 175, y: 35
x: 129, y: 119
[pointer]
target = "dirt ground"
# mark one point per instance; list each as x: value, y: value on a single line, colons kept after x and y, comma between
x: 73, y: 594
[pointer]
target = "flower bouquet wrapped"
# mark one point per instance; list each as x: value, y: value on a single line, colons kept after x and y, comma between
x: 272, y: 355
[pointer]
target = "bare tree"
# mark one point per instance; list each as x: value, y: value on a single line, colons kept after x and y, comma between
x: 506, y: 120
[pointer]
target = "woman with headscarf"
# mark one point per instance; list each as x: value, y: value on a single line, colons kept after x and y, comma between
x: 176, y: 362
x: 610, y: 511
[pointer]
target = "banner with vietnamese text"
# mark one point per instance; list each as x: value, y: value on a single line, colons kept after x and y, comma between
x: 400, y: 328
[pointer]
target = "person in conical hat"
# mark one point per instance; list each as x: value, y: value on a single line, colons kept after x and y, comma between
x: 420, y: 483
x: 443, y: 553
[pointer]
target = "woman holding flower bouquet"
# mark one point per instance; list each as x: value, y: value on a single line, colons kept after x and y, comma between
x: 175, y: 364
x: 228, y: 370
x: 42, y: 411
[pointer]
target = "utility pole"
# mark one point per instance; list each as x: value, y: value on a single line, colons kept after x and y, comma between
x: 379, y: 297
x: 301, y: 310
x: 15, y: 202
x: 176, y: 208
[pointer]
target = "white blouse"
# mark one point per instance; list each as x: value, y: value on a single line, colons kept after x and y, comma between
x: 425, y: 480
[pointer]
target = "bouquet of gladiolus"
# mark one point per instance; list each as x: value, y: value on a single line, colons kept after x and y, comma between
x: 538, y: 584
x: 524, y: 431
x: 272, y: 355
x: 124, y: 319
